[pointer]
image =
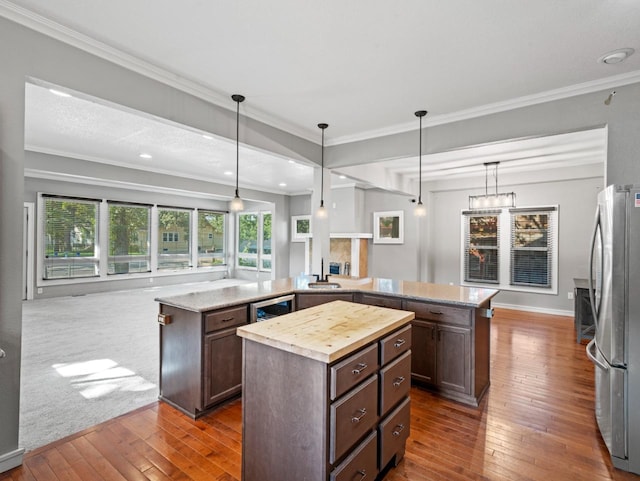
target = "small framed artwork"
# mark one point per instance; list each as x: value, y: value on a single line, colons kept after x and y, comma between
x: 388, y: 227
x: 300, y: 228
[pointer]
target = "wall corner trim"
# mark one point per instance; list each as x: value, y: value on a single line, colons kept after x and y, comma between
x: 11, y: 460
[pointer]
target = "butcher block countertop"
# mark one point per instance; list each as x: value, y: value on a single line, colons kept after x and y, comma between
x: 326, y: 332
x: 245, y: 293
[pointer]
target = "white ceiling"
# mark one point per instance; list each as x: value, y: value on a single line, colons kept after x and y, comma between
x: 362, y: 66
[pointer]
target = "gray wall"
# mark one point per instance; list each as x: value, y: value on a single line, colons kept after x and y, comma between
x: 576, y: 200
x: 299, y: 205
x: 26, y: 54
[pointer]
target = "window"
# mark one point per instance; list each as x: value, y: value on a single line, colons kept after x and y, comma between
x: 70, y: 234
x: 211, y: 238
x: 482, y: 244
x: 254, y: 240
x: 531, y: 249
x: 520, y: 257
x: 174, y: 232
x: 129, y: 234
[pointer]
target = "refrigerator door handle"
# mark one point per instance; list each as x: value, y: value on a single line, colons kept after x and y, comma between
x: 592, y: 356
x: 592, y: 299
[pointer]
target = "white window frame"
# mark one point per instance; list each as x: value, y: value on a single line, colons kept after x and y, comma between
x: 504, y: 242
x: 259, y: 256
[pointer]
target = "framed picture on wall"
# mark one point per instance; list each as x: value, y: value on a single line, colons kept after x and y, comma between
x: 300, y: 227
x: 388, y: 227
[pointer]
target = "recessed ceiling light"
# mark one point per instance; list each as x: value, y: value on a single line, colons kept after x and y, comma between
x: 146, y: 156
x: 292, y: 161
x: 343, y: 176
x: 208, y: 137
x: 282, y: 184
x: 228, y: 172
x: 59, y: 93
x: 616, y: 56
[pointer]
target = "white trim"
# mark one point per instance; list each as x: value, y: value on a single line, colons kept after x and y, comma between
x: 11, y: 460
x: 540, y: 310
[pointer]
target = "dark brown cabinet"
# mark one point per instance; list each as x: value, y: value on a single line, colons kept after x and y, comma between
x: 377, y: 300
x: 342, y: 421
x: 200, y: 357
x: 311, y: 299
x: 450, y: 353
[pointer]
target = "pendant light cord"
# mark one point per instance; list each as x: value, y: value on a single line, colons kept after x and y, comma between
x: 237, y: 144
x: 322, y: 127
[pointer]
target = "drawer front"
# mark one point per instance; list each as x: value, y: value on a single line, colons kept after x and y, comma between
x: 361, y: 464
x: 395, y: 380
x: 352, y: 416
x: 435, y: 312
x: 234, y: 316
x: 353, y: 370
x: 381, y: 301
x: 393, y: 433
x: 395, y: 344
x: 305, y: 300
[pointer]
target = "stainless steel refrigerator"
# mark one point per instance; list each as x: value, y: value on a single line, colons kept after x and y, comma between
x: 615, y: 300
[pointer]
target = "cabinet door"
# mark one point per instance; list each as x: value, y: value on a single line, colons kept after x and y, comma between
x: 454, y: 358
x: 223, y: 366
x: 423, y: 355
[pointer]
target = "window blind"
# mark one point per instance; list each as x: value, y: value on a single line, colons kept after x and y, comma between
x: 532, y: 246
x: 482, y: 247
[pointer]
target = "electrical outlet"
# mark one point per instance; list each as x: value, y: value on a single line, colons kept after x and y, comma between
x: 150, y: 280
x: 39, y: 290
x: 570, y: 295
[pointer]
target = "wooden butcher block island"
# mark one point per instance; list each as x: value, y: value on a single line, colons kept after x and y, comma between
x: 326, y: 393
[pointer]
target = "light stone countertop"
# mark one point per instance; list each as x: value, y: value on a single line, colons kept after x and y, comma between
x: 326, y: 332
x: 247, y: 293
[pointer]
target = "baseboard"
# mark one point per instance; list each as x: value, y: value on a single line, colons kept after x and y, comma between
x: 540, y: 310
x: 11, y: 460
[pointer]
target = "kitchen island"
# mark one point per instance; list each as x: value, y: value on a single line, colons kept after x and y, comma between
x: 325, y: 393
x: 201, y: 355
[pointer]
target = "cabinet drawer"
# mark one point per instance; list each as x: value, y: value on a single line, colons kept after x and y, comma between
x: 436, y: 312
x: 380, y: 301
x: 395, y: 380
x: 352, y: 416
x: 395, y: 344
x: 232, y: 316
x: 353, y: 370
x: 393, y: 433
x: 361, y: 464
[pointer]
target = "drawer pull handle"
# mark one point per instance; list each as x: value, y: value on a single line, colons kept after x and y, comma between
x: 362, y: 473
x: 228, y: 319
x: 361, y: 367
x: 399, y: 342
x: 437, y: 313
x: 397, y: 381
x: 396, y: 432
x: 356, y: 419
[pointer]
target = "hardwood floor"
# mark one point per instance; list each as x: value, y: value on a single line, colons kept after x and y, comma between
x: 535, y: 423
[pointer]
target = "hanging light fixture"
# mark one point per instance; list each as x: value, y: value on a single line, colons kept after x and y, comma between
x: 493, y: 201
x: 236, y: 204
x: 322, y: 211
x: 420, y: 210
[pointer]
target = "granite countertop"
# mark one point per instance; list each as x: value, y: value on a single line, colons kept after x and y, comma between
x: 326, y: 332
x: 246, y: 293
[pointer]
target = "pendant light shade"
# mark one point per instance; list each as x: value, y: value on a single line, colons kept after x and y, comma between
x: 491, y: 201
x: 236, y: 203
x: 322, y: 211
x: 420, y: 210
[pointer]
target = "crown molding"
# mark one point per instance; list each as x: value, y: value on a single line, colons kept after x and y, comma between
x: 83, y: 42
x: 497, y: 107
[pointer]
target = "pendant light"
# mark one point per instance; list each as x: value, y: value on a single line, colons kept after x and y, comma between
x: 321, y: 213
x: 493, y: 201
x: 236, y: 204
x: 420, y: 210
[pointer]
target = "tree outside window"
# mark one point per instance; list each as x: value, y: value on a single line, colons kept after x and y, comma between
x: 175, y: 251
x: 211, y: 238
x: 129, y: 229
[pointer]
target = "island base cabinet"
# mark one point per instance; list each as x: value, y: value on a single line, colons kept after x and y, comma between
x: 453, y: 359
x: 423, y: 357
x: 361, y: 464
x: 223, y: 366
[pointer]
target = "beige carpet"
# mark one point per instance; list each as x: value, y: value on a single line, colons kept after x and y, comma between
x: 90, y: 358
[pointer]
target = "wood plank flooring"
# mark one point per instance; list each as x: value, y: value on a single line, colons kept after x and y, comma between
x: 535, y: 423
